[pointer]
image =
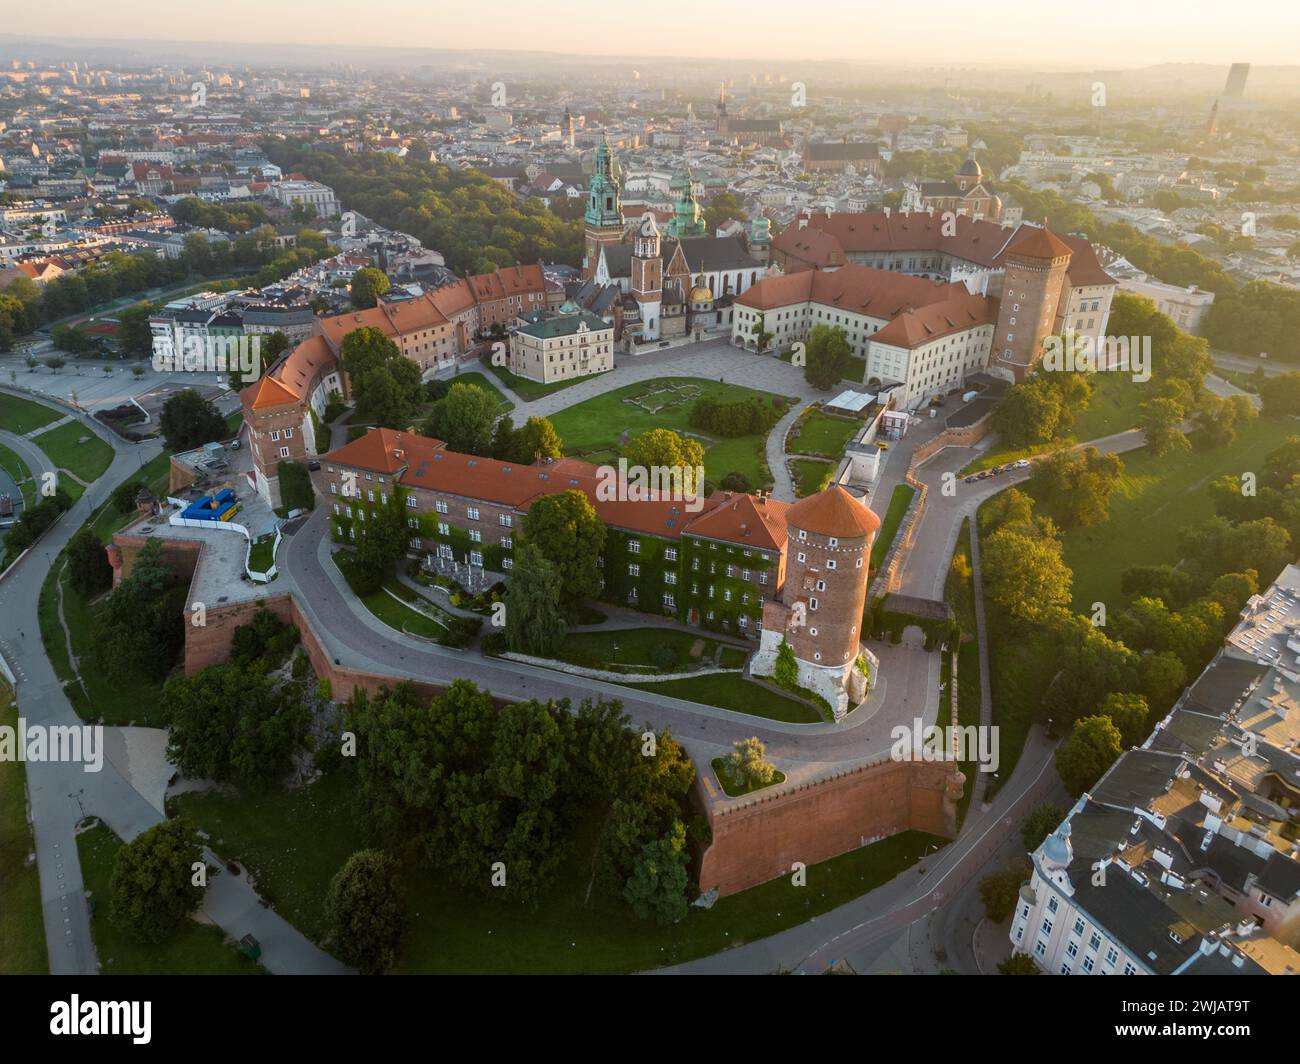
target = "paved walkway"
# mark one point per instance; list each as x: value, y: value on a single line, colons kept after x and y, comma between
x: 58, y: 791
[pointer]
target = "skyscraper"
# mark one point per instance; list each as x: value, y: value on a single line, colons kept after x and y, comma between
x: 1235, y: 87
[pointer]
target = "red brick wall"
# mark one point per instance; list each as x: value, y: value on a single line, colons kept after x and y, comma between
x: 181, y: 555
x: 209, y: 644
x: 758, y: 841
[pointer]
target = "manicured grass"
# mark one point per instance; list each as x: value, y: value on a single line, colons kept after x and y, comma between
x: 598, y: 423
x: 731, y: 788
x: 636, y: 647
x: 727, y: 690
x: 823, y: 434
x: 87, y: 460
x: 293, y: 843
x: 261, y: 556
x: 17, y: 468
x: 899, y: 501
x: 386, y: 608
x: 811, y: 475
x: 1154, y: 499
x: 195, y: 949
x: 22, y: 416
x: 1113, y: 408
x: 529, y: 390
x: 481, y: 381
x: 22, y: 924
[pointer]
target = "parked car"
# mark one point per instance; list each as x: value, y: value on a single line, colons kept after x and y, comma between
x: 971, y: 479
x: 313, y: 465
x: 1023, y: 463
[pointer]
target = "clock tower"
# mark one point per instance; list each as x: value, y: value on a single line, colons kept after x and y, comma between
x: 647, y: 276
x: 603, y: 218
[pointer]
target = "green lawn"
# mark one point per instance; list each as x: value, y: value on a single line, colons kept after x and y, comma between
x: 529, y: 390
x: 727, y: 690
x: 1113, y: 408
x: 1155, y: 498
x: 811, y: 475
x: 387, y: 609
x: 597, y: 424
x: 636, y: 647
x: 87, y: 460
x: 823, y: 434
x: 17, y: 468
x: 22, y: 923
x: 733, y: 789
x: 899, y: 501
x: 22, y: 415
x: 293, y: 843
x: 196, y: 949
x: 959, y: 591
x: 261, y: 556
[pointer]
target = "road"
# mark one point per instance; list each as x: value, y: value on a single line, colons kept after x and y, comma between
x: 59, y: 791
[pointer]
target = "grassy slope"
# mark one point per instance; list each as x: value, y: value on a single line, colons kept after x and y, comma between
x: 825, y: 435
x: 812, y: 475
x: 195, y: 949
x: 899, y: 501
x: 22, y: 415
x: 730, y: 691
x: 635, y: 646
x: 293, y: 844
x: 22, y: 925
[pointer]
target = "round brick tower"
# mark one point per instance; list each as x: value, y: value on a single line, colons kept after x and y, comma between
x: 819, y: 612
x: 1033, y: 285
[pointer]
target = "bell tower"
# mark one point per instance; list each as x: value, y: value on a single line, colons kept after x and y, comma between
x: 647, y: 276
x: 603, y: 218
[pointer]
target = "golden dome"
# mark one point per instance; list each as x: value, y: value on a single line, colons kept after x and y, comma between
x: 701, y: 294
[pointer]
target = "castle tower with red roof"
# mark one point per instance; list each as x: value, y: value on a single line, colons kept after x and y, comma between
x: 1032, y: 287
x: 819, y: 611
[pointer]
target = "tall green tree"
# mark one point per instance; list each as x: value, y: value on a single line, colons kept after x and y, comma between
x: 88, y: 568
x: 570, y: 535
x: 385, y: 384
x: 534, y: 601
x: 152, y: 890
x: 463, y: 419
x: 368, y: 284
x: 1093, y: 746
x: 188, y: 421
x: 365, y: 912
x: 828, y: 357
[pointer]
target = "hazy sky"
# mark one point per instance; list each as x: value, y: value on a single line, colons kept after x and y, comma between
x: 1086, y: 33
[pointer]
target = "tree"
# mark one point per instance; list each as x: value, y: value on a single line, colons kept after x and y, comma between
x: 385, y: 384
x: 1029, y: 413
x: 365, y: 912
x: 139, y: 629
x: 1162, y: 677
x: 1129, y: 713
x: 188, y: 421
x: 381, y: 542
x: 463, y: 419
x: 368, y: 284
x: 1018, y: 964
x: 827, y: 357
x: 152, y: 890
x: 296, y: 492
x: 1077, y: 485
x: 569, y: 534
x: 663, y: 449
x: 1040, y: 823
x: 272, y: 347
x: 786, y: 670
x: 1024, y: 577
x: 1091, y: 749
x: 88, y: 568
x: 747, y: 763
x: 537, y: 440
x: 657, y: 886
x: 1281, y: 394
x: 534, y: 604
x: 1000, y: 891
x: 1216, y: 421
x: 1159, y: 420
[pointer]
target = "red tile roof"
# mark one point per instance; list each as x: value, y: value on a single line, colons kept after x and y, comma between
x: 913, y: 328
x: 1039, y: 244
x: 854, y: 289
x: 833, y: 512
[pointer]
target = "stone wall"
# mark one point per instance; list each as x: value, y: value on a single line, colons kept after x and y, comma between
x: 759, y: 837
x: 181, y: 555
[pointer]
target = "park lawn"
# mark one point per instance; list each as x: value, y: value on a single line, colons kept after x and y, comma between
x: 899, y: 501
x: 1154, y: 499
x: 811, y: 475
x: 195, y: 949
x: 528, y: 390
x: 294, y: 843
x: 823, y: 434
x: 727, y: 690
x: 17, y: 468
x: 598, y: 423
x: 388, y: 609
x: 87, y: 460
x: 636, y: 646
x: 22, y: 416
x: 22, y: 922
x: 1113, y: 408
x: 731, y: 788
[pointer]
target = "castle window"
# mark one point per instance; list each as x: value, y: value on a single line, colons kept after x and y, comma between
x: 410, y: 501
x: 830, y: 563
x: 812, y: 631
x: 812, y: 604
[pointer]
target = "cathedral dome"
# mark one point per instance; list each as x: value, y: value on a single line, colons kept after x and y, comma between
x: 701, y: 294
x: 970, y: 168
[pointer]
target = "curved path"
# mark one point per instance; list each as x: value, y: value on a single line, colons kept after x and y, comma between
x: 59, y: 791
